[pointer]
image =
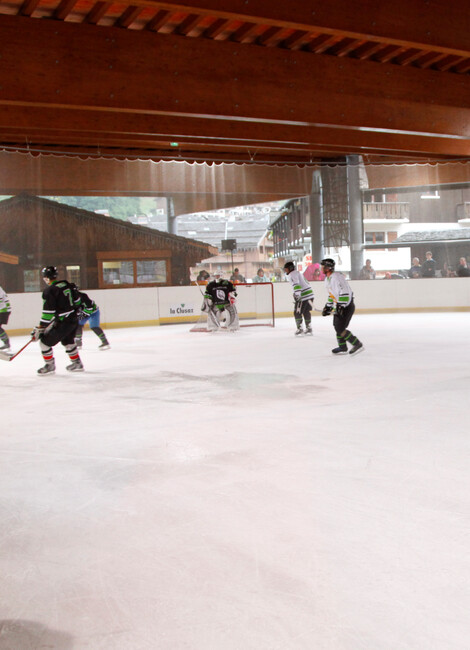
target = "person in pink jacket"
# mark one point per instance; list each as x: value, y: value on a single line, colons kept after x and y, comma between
x: 313, y: 273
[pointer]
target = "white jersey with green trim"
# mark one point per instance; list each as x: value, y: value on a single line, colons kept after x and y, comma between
x: 302, y: 289
x: 338, y: 289
x: 4, y: 302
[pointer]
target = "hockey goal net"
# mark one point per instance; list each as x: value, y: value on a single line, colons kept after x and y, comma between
x: 254, y: 303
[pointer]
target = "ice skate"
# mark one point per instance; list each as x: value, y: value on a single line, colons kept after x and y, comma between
x: 358, y: 347
x: 104, y: 346
x: 299, y: 332
x: 308, y: 331
x: 75, y: 366
x: 341, y: 349
x: 5, y: 347
x: 48, y: 369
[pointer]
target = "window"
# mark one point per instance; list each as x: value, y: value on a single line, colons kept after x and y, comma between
x: 375, y: 238
x: 32, y: 280
x: 134, y: 268
x: 118, y: 272
x: 151, y: 271
x: 73, y: 274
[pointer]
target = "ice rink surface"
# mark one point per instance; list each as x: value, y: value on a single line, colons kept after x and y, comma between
x: 244, y: 491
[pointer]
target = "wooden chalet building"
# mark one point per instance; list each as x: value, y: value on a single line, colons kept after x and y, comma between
x: 92, y: 250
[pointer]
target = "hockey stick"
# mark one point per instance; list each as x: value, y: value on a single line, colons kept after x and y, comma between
x: 313, y: 307
x: 213, y: 317
x: 4, y: 356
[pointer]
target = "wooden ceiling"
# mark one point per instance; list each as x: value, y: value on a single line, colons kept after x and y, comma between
x: 260, y: 81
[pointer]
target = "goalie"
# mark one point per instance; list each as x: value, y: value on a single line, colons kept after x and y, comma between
x: 219, y: 305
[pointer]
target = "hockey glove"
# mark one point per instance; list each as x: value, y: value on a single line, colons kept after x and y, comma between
x: 340, y: 310
x: 327, y: 309
x: 36, y: 333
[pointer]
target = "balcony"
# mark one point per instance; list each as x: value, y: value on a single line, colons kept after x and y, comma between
x: 386, y: 211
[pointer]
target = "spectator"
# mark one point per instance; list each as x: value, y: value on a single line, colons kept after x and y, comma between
x: 203, y: 276
x: 393, y: 276
x: 367, y: 272
x: 448, y: 271
x: 313, y: 273
x: 462, y: 270
x: 429, y: 266
x: 416, y: 270
x: 237, y: 277
x: 260, y: 277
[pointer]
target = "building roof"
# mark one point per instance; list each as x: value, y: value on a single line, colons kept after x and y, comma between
x: 172, y: 240
x: 449, y: 236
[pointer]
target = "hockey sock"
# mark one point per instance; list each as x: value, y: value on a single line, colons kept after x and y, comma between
x: 341, y: 340
x: 4, y: 336
x: 298, y: 322
x: 99, y: 332
x: 48, y: 355
x: 350, y: 338
x: 72, y: 351
x: 102, y: 336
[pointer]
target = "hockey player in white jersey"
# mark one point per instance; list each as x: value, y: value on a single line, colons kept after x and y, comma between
x: 5, y: 311
x: 303, y: 297
x: 341, y: 300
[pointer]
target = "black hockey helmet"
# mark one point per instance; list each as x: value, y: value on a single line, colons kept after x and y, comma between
x: 289, y: 266
x: 328, y: 263
x: 50, y: 272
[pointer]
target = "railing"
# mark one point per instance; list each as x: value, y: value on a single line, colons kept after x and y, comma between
x: 392, y: 210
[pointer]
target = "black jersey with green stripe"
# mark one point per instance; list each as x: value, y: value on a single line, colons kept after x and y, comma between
x: 87, y: 305
x: 60, y: 301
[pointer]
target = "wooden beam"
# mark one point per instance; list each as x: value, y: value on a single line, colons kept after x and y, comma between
x: 440, y: 25
x: 70, y: 65
x: 9, y: 259
x: 28, y: 7
x: 64, y: 8
x: 128, y: 16
x: 27, y: 124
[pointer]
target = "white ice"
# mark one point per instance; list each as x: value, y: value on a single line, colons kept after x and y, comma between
x: 244, y: 491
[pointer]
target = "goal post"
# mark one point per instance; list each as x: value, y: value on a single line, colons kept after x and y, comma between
x: 254, y: 303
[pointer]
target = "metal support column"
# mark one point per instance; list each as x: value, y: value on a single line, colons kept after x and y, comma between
x: 355, y: 216
x: 315, y: 205
x: 170, y: 216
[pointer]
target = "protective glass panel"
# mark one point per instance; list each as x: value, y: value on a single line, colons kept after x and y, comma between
x: 118, y: 273
x: 151, y: 271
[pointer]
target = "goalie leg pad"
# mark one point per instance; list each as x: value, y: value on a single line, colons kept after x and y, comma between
x: 233, y: 322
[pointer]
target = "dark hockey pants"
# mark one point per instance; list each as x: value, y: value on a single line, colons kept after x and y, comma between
x: 340, y: 323
x: 303, y: 310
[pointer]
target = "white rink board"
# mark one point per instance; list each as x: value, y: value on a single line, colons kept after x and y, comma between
x: 154, y: 306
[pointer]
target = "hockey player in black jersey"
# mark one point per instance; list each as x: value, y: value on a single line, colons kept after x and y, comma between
x: 58, y: 322
x: 90, y: 313
x: 219, y: 304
